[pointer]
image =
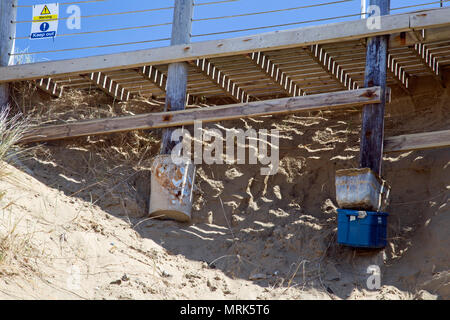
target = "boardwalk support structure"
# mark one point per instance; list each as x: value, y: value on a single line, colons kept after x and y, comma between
x: 308, y: 103
x: 165, y: 204
x: 372, y: 132
x: 177, y: 76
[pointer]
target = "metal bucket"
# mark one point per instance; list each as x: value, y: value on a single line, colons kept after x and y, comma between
x: 171, y: 188
x: 361, y: 189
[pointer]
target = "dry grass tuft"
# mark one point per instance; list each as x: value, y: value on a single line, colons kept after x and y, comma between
x: 12, y: 242
x: 12, y: 129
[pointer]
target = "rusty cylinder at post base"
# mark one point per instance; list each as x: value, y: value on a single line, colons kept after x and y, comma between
x: 172, y: 188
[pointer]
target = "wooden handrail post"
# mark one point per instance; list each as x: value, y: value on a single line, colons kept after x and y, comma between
x: 8, y: 14
x: 372, y: 132
x: 178, y: 72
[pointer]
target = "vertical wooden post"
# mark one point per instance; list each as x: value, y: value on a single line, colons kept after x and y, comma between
x: 178, y: 72
x: 8, y: 13
x: 372, y: 133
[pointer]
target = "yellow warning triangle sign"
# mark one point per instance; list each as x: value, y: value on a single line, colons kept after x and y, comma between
x: 45, y: 11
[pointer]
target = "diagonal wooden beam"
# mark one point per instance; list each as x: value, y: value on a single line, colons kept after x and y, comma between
x: 109, y: 86
x: 330, y: 66
x: 224, y: 82
x: 49, y: 86
x: 278, y: 77
x: 324, y: 101
x: 430, y: 62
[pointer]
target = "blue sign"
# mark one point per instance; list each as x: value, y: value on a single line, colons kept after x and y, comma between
x: 44, y: 26
x: 45, y: 21
x: 45, y: 33
x: 41, y: 35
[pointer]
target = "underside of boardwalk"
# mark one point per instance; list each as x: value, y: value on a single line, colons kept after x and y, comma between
x: 289, y: 63
x: 305, y: 69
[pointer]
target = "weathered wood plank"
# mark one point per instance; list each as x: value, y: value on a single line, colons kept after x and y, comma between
x: 417, y: 141
x: 372, y: 130
x: 300, y: 37
x: 422, y: 19
x: 219, y: 113
x: 177, y: 75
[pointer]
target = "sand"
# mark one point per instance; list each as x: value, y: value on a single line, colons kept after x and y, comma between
x: 82, y: 229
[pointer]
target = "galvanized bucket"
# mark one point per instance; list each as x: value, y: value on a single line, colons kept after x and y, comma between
x: 171, y: 188
x: 361, y: 189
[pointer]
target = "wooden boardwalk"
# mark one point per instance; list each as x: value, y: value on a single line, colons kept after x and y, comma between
x: 316, y: 68
x: 304, y: 61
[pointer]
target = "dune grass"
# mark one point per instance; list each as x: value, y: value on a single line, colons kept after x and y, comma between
x: 12, y: 128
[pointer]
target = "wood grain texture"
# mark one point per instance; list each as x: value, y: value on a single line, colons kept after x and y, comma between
x: 332, y: 100
x: 417, y: 141
x: 372, y: 130
x: 177, y: 75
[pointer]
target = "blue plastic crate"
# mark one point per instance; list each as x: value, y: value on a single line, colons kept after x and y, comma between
x: 357, y: 229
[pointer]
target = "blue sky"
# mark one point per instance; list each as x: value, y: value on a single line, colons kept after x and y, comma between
x: 156, y: 17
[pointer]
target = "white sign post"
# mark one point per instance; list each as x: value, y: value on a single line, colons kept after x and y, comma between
x: 45, y: 21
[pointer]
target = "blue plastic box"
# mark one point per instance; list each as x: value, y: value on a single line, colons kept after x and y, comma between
x: 365, y: 229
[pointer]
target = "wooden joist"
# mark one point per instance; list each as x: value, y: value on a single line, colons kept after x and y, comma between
x: 49, y: 86
x: 428, y: 61
x: 155, y: 76
x: 417, y: 141
x: 228, y: 86
x: 398, y: 73
x: 109, y: 86
x: 277, y: 76
x: 188, y: 117
x: 404, y: 23
x: 330, y: 66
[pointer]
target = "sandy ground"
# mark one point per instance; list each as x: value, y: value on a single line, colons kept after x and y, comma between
x: 73, y: 214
